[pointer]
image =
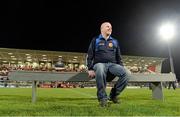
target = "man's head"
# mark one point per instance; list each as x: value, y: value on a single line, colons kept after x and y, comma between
x: 106, y: 28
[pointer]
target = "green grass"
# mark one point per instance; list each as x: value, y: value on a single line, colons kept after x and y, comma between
x: 83, y: 102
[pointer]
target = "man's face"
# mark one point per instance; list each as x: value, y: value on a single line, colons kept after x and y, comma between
x: 106, y: 28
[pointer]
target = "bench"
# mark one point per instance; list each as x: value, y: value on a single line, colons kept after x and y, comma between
x: 35, y: 76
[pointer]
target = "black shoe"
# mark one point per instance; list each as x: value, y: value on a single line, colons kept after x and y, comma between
x: 115, y: 100
x: 103, y: 103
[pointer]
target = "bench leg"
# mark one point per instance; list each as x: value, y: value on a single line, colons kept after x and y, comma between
x: 34, y: 87
x: 157, y: 90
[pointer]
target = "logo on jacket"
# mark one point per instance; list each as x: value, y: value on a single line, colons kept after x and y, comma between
x: 110, y: 44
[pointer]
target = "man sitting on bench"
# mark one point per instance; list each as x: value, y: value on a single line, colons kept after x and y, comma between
x: 104, y: 58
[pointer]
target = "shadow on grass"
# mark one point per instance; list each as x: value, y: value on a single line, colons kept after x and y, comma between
x: 19, y: 98
x: 52, y: 99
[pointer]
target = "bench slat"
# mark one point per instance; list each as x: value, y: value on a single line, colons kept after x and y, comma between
x: 82, y: 76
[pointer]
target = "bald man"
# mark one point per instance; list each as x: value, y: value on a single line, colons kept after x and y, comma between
x: 104, y: 58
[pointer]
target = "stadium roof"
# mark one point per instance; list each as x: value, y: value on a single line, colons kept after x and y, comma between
x: 15, y: 56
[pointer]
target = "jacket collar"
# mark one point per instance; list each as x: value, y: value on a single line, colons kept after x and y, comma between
x: 101, y: 37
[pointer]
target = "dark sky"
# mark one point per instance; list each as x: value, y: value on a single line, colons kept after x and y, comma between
x: 69, y: 25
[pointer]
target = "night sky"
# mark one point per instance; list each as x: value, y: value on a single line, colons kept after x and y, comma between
x: 69, y: 25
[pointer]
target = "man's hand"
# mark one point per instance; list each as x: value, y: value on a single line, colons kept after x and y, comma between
x: 91, y: 74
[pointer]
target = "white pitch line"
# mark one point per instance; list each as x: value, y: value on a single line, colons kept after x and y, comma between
x: 85, y: 94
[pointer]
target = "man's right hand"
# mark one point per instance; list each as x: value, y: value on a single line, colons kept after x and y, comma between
x: 91, y: 74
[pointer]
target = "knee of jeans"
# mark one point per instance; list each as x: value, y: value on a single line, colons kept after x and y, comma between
x: 100, y: 67
x: 125, y: 75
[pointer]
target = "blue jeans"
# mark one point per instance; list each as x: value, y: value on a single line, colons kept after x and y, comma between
x: 101, y: 70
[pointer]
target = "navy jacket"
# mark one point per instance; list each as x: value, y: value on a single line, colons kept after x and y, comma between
x: 103, y: 51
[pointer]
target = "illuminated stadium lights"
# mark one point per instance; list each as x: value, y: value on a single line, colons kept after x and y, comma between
x: 75, y: 57
x: 10, y: 53
x: 27, y: 54
x: 59, y: 56
x: 167, y: 31
x: 28, y: 57
x: 14, y: 58
x: 44, y: 55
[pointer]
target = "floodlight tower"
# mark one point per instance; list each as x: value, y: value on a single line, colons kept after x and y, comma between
x: 167, y: 32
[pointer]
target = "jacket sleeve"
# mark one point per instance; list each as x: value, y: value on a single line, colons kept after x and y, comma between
x: 90, y: 54
x: 118, y: 55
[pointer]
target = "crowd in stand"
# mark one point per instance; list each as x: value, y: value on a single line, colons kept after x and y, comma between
x: 4, y: 70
